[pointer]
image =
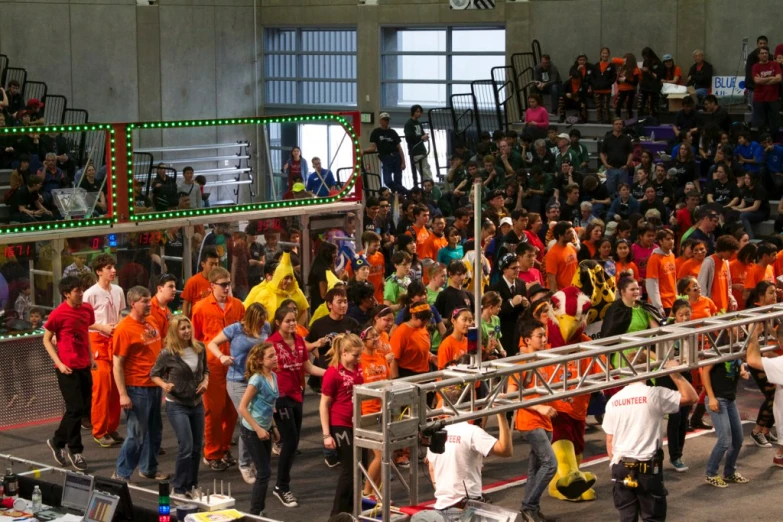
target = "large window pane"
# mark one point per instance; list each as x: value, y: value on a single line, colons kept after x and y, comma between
x: 415, y: 67
x: 414, y: 40
x: 471, y: 68
x: 407, y: 94
x: 478, y: 40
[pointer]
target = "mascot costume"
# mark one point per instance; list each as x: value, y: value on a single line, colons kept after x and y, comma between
x: 573, y: 309
x: 282, y: 286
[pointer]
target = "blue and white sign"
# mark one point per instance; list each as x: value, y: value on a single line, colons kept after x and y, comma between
x: 728, y: 85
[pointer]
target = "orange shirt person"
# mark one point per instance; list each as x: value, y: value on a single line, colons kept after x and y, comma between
x: 691, y: 267
x: 421, y: 216
x: 210, y: 315
x: 561, y: 262
x: 715, y: 276
x: 762, y: 270
x: 661, y: 279
x: 455, y: 345
x: 701, y: 306
x: 411, y: 342
x: 198, y: 286
x: 137, y: 344
x: 435, y: 241
x: 372, y: 247
x: 159, y: 311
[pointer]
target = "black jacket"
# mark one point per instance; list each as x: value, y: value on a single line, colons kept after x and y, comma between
x: 603, y: 80
x: 173, y: 369
x: 618, y: 318
x: 579, y: 93
x: 753, y: 59
x: 649, y: 82
x: 700, y: 79
x: 509, y: 314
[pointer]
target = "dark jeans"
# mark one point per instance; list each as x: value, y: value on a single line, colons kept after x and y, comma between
x: 625, y: 98
x: 391, y: 166
x: 76, y: 390
x: 766, y: 114
x: 765, y: 418
x: 542, y: 466
x: 145, y: 432
x: 675, y: 432
x: 649, y: 103
x: 603, y: 103
x: 288, y: 417
x: 188, y: 425
x: 343, y: 495
x: 261, y: 453
x: 749, y: 218
x: 646, y: 501
x: 572, y: 103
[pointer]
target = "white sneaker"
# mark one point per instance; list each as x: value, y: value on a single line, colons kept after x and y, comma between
x: 248, y: 475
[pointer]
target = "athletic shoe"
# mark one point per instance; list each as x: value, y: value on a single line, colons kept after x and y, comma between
x: 716, y: 481
x: 770, y: 437
x: 86, y: 424
x: 276, y: 448
x: 248, y: 475
x: 403, y: 462
x: 57, y: 453
x: 229, y: 459
x: 529, y: 515
x: 115, y: 476
x: 285, y: 497
x: 332, y: 461
x: 679, y: 467
x: 699, y: 424
x: 736, y: 478
x: 216, y: 465
x: 116, y: 437
x: 777, y: 461
x: 77, y: 461
x: 158, y: 475
x: 105, y: 441
x: 760, y: 440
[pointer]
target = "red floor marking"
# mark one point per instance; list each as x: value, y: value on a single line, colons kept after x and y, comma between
x: 29, y: 424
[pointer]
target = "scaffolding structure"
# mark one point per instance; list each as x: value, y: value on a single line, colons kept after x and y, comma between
x: 579, y: 369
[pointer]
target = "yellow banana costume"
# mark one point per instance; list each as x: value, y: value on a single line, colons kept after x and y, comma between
x: 322, y: 311
x: 271, y: 294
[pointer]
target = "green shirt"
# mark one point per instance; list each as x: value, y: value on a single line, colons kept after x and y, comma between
x: 514, y: 159
x: 640, y: 320
x: 581, y: 152
x: 545, y: 183
x: 490, y: 329
x: 394, y: 288
x: 572, y: 156
x: 498, y: 182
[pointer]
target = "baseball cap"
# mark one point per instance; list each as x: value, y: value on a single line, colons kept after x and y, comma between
x: 496, y: 193
x: 563, y: 136
x: 506, y: 221
x: 667, y: 57
x: 553, y: 205
x: 298, y: 187
x: 384, y: 116
x: 35, y: 103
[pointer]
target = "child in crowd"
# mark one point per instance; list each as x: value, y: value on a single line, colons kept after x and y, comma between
x: 455, y: 344
x: 397, y: 283
x: 453, y: 251
x: 454, y: 296
x: 36, y: 318
x: 643, y: 248
x: 490, y: 325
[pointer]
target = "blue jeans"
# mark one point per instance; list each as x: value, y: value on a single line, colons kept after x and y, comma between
x: 613, y: 179
x: 728, y: 428
x: 145, y: 432
x: 391, y: 166
x: 541, y: 468
x: 236, y: 390
x: 188, y: 425
x: 261, y: 451
x: 749, y: 218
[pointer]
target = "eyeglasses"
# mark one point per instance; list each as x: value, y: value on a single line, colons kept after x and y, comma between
x: 223, y: 285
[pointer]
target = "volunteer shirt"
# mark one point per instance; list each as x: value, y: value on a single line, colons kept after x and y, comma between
x: 561, y: 262
x: 633, y: 417
x: 773, y: 367
x: 458, y: 468
x: 262, y: 405
x: 290, y: 365
x: 107, y: 304
x: 160, y: 315
x: 196, y: 289
x: 139, y: 343
x: 240, y: 345
x: 71, y: 325
x: 338, y: 385
x: 375, y: 368
x: 661, y: 267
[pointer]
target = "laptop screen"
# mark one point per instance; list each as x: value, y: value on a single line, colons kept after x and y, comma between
x: 102, y: 507
x: 76, y: 491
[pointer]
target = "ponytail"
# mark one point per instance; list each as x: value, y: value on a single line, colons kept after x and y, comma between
x: 342, y: 343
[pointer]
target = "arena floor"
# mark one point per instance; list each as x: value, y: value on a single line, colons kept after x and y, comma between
x: 690, y: 499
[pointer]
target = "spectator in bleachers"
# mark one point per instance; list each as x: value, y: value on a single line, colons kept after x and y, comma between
x: 492, y: 179
x: 616, y: 155
x: 295, y: 167
x: 574, y: 96
x: 536, y: 117
x: 141, y: 203
x: 628, y: 77
x: 15, y: 99
x: 686, y: 120
x: 547, y: 80
x: 597, y: 194
x: 415, y: 137
x: 508, y: 161
x: 700, y: 75
x: 579, y: 150
x: 685, y: 169
x: 754, y: 206
x: 22, y: 173
x: 7, y: 149
x: 164, y: 189
x: 387, y: 143
x: 57, y: 144
x: 3, y: 101
x: 89, y: 183
x: 603, y: 78
x: 321, y: 182
x: 651, y: 200
x: 714, y: 115
x: 52, y: 178
x: 624, y: 204
x: 721, y: 189
x: 748, y: 152
x: 767, y: 76
x: 188, y: 191
x: 762, y: 42
x: 653, y: 72
x: 28, y: 206
x: 773, y: 164
x: 29, y: 144
x: 672, y: 73
x: 35, y: 108
x: 543, y: 157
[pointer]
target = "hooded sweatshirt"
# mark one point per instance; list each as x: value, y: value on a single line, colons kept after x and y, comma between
x: 661, y: 279
x: 270, y: 295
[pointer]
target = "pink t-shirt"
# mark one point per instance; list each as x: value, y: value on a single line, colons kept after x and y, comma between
x: 290, y: 365
x: 538, y: 115
x: 532, y: 276
x: 640, y: 256
x: 338, y: 385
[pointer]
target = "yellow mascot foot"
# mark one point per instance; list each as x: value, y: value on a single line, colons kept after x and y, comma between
x: 588, y: 495
x: 573, y: 485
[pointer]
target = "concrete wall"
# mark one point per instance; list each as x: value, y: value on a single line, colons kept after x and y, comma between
x: 194, y: 58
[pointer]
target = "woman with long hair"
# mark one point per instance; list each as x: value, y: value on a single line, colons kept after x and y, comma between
x: 754, y: 206
x: 623, y: 261
x: 257, y: 428
x: 182, y: 371
x: 490, y: 325
x: 603, y: 78
x: 336, y: 412
x: 701, y: 306
x: 628, y: 76
x: 534, y: 224
x: 592, y: 234
x: 652, y: 81
x: 292, y: 359
x: 382, y: 321
x: 685, y: 166
x: 242, y: 337
x: 738, y: 269
x: 316, y: 279
x: 295, y: 167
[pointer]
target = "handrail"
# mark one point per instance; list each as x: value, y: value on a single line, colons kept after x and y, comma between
x: 206, y: 159
x: 193, y: 147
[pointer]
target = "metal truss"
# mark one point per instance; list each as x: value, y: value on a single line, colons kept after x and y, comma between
x: 578, y: 369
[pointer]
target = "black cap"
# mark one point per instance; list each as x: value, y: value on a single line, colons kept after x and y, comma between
x: 495, y: 193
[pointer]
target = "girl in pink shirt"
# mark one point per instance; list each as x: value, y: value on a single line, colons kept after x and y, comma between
x: 536, y: 117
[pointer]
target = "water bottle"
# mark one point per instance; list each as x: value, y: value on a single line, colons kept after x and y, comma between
x: 37, y: 500
x: 652, y: 136
x: 11, y: 484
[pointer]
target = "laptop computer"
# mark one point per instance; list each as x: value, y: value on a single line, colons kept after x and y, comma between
x: 77, y: 489
x: 101, y: 507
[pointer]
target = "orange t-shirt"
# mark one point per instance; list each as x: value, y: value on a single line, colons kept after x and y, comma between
x: 690, y: 267
x: 561, y: 262
x: 759, y: 273
x: 421, y: 234
x: 624, y: 86
x: 160, y: 316
x: 739, y: 272
x: 411, y: 348
x: 661, y: 267
x: 450, y: 350
x: 528, y: 419
x: 721, y: 284
x: 431, y: 247
x: 140, y: 344
x: 384, y: 344
x: 778, y: 267
x: 374, y: 368
x: 624, y: 267
x: 679, y: 261
x: 703, y: 308
x: 377, y: 271
x: 196, y: 289
x: 209, y: 319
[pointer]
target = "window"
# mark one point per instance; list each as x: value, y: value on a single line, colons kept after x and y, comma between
x: 310, y: 67
x: 427, y: 66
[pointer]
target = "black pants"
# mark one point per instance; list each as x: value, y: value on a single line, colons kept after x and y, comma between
x: 343, y: 495
x: 646, y: 501
x: 76, y: 390
x: 578, y: 104
x: 676, y: 430
x: 625, y: 98
x: 649, y: 103
x: 765, y: 417
x: 288, y: 417
x: 602, y: 104
x: 261, y: 453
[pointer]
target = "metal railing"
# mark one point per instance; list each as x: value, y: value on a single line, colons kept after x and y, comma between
x: 462, y: 107
x: 441, y: 119
x: 523, y: 65
x: 3, y: 67
x: 577, y: 369
x: 485, y: 106
x: 54, y: 108
x: 506, y: 95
